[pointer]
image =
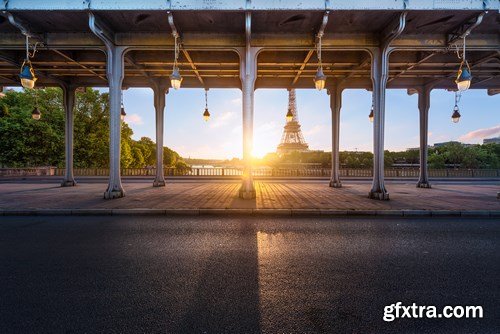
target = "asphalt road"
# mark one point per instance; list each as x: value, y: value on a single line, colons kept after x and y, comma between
x: 244, y: 275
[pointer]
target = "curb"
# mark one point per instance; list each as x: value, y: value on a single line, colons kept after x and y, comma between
x: 252, y: 212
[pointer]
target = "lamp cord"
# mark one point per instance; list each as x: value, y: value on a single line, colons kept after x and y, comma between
x: 318, y: 50
x: 206, y: 98
x: 28, y: 54
x: 176, y: 50
x: 458, y: 95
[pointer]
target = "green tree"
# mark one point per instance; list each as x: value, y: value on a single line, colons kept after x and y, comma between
x: 436, y: 161
x: 26, y: 142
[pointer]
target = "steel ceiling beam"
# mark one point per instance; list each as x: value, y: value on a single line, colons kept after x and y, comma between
x: 241, y: 5
x: 17, y: 64
x: 302, y: 66
x: 464, y: 29
x: 176, y: 34
x: 472, y: 66
x: 62, y: 54
x: 320, y: 34
x: 22, y: 26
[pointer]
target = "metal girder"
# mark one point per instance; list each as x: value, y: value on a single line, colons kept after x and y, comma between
x: 493, y: 91
x: 21, y: 25
x: 302, y: 66
x: 393, y: 30
x: 101, y: 30
x: 193, y: 66
x: 9, y: 80
x: 224, y: 41
x: 140, y: 68
x: 365, y: 62
x: 176, y: 34
x: 255, y: 5
x: 409, y: 68
x: 464, y: 29
x: 472, y: 66
x: 453, y: 37
x: 17, y: 64
x: 62, y: 54
x: 320, y: 34
x: 486, y: 79
x: 324, y: 22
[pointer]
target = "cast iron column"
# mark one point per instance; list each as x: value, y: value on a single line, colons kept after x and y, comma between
x: 160, y: 90
x: 380, y: 74
x: 248, y: 68
x: 335, y: 105
x: 69, y: 104
x: 114, y: 72
x: 424, y: 101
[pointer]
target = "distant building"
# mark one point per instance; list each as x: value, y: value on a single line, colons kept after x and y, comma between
x: 491, y: 140
x: 446, y: 143
x: 451, y: 142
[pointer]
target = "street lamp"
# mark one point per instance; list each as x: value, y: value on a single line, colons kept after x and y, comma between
x: 27, y: 74
x: 206, y: 114
x: 289, y: 115
x: 455, y: 117
x: 36, y: 114
x: 464, y: 76
x: 122, y: 113
x: 175, y: 78
x: 319, y: 78
x: 122, y: 110
x: 370, y: 117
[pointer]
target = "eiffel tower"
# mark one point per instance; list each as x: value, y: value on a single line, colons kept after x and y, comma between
x: 292, y: 138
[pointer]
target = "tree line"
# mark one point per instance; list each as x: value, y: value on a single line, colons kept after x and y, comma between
x: 452, y: 154
x: 25, y: 142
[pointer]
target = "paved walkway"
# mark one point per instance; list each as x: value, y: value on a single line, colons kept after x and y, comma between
x: 270, y: 195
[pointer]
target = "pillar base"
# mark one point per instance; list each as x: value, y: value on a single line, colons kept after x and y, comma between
x: 335, y: 184
x: 68, y: 183
x: 247, y: 194
x: 423, y: 184
x: 159, y: 183
x: 115, y: 193
x: 380, y: 195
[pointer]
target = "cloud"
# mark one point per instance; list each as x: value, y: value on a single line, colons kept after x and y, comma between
x: 481, y: 134
x: 266, y: 127
x: 222, y: 119
x: 134, y: 119
x: 314, y: 130
x: 236, y: 101
x: 237, y: 130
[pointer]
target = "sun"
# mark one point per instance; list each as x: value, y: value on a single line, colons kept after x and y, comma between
x: 259, y: 152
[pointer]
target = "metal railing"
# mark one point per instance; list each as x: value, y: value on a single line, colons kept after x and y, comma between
x: 258, y: 172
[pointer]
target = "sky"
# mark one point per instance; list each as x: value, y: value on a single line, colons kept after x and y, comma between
x: 221, y: 137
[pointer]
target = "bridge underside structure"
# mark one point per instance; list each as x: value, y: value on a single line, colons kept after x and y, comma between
x: 373, y: 45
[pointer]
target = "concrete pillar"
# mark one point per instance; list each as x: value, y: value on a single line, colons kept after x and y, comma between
x: 424, y: 102
x: 69, y: 104
x: 159, y: 90
x: 115, y: 78
x: 380, y: 74
x: 335, y: 106
x: 248, y: 74
x: 380, y: 69
x: 114, y: 73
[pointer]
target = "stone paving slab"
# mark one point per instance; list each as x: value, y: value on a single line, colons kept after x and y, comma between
x: 273, y: 197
